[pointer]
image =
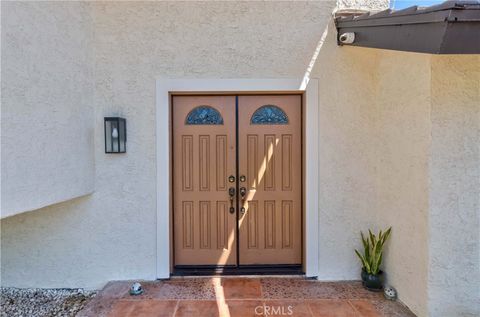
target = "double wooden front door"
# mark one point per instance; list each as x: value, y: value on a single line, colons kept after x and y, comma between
x: 237, y: 180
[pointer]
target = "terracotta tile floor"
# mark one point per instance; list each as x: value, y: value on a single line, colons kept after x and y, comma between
x: 242, y: 296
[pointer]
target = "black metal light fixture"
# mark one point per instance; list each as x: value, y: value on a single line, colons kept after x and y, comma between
x: 115, y: 135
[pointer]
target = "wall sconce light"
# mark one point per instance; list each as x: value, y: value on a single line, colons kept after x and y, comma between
x: 115, y: 135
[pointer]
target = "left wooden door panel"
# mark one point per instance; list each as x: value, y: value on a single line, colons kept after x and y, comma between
x: 203, y: 159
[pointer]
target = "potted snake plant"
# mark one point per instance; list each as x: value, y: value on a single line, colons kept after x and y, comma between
x: 371, y: 259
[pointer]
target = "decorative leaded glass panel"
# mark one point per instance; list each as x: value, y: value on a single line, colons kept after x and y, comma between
x: 269, y: 114
x: 204, y: 115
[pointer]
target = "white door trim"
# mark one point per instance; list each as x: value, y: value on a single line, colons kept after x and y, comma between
x: 162, y: 119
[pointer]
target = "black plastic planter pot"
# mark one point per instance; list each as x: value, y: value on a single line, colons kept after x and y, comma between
x: 364, y: 275
x: 372, y: 282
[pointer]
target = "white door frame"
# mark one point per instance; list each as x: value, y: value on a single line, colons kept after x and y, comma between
x: 163, y: 130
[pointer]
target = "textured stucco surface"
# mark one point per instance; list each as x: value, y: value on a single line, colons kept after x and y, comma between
x: 427, y: 170
x: 47, y: 104
x: 454, y: 231
x: 134, y: 43
x: 346, y: 154
x: 374, y: 5
x: 386, y: 157
x: 402, y: 124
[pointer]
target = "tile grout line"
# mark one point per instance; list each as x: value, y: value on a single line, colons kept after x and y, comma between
x: 261, y: 289
x: 353, y: 307
x: 309, y: 308
x: 176, y: 308
x: 357, y: 312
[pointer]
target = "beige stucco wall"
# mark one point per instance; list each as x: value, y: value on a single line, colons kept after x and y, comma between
x: 454, y: 167
x: 346, y: 154
x: 137, y: 42
x: 111, y: 234
x: 382, y: 155
x: 47, y: 104
x: 374, y: 151
x: 428, y: 121
x: 373, y: 5
x: 403, y: 139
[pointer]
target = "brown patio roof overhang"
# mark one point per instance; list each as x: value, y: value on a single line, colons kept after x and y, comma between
x: 452, y: 27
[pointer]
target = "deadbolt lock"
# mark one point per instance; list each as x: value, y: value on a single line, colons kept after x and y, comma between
x: 231, y: 179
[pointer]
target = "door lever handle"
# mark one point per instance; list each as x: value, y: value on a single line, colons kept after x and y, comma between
x: 231, y: 193
x: 243, y: 194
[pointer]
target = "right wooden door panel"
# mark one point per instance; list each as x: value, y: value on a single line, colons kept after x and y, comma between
x: 270, y: 160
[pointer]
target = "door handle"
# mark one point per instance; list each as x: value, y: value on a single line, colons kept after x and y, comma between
x: 243, y: 195
x: 231, y: 193
x: 243, y: 192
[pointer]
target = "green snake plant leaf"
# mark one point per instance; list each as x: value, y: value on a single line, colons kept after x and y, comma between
x: 380, y: 258
x: 373, y: 250
x: 372, y: 237
x: 364, y: 261
x: 361, y: 257
x: 374, y: 258
x: 386, y: 235
x: 364, y: 241
x: 366, y: 246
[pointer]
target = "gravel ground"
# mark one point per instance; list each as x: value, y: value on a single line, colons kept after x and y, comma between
x: 42, y: 302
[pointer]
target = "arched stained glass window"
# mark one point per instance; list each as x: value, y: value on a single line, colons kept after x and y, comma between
x: 269, y: 114
x: 204, y: 115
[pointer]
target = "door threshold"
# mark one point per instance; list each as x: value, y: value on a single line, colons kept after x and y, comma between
x: 209, y: 270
